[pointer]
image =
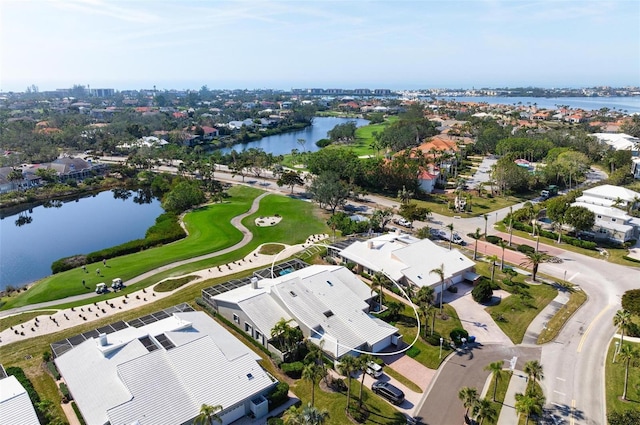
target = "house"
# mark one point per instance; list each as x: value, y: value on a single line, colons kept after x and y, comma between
x: 76, y: 168
x: 619, y: 142
x: 409, y: 260
x: 15, y: 404
x: 329, y: 303
x: 427, y: 179
x: 160, y: 369
x: 612, y: 222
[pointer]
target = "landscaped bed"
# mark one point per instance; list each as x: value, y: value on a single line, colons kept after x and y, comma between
x: 172, y: 284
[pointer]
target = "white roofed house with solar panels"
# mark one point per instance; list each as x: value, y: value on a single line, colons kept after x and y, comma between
x: 407, y: 260
x: 160, y: 369
x: 329, y: 304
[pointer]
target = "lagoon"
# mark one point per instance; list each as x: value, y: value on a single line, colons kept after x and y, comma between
x: 629, y: 104
x: 71, y: 227
x: 282, y: 144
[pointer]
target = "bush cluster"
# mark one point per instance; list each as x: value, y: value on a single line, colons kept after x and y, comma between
x: 278, y: 395
x: 65, y: 392
x: 482, y: 292
x: 51, y: 367
x: 551, y: 235
x: 293, y: 369
x: 457, y: 334
x: 433, y: 339
x: 525, y: 249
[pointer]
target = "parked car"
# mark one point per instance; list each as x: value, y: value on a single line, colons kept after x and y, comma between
x: 374, y: 369
x: 388, y: 391
x: 402, y: 222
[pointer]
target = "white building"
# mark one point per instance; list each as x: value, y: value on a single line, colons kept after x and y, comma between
x: 15, y: 404
x: 328, y: 303
x: 619, y: 141
x: 409, y: 260
x: 609, y: 204
x: 162, y: 372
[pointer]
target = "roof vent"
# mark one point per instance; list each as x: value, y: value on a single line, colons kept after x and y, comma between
x: 254, y: 283
x: 293, y: 294
x: 329, y: 282
x: 328, y: 313
x: 103, y: 339
x: 249, y: 376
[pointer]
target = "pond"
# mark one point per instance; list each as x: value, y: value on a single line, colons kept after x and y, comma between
x: 31, y: 240
x: 282, y: 144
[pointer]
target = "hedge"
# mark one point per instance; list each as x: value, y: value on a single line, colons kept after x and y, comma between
x: 633, y: 260
x: 293, y: 369
x: 78, y: 414
x: 278, y: 395
x: 493, y: 239
x: 28, y: 387
x: 525, y: 249
x: 457, y: 334
x: 65, y: 391
x: 51, y: 367
x: 165, y: 230
x: 551, y: 235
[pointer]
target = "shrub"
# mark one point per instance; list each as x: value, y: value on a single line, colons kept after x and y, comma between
x: 525, y: 249
x: 631, y: 301
x: 493, y: 239
x: 46, y: 356
x: 278, y: 395
x: 337, y: 384
x: 482, y: 292
x: 78, y: 414
x: 68, y: 263
x: 293, y: 369
x: 51, y: 367
x: 433, y: 339
x: 633, y: 329
x: 65, y: 391
x: 457, y: 334
x: 633, y: 260
x: 413, y: 352
x: 275, y: 421
x: 25, y: 382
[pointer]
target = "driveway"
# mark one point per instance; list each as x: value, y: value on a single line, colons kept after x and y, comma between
x: 474, y: 318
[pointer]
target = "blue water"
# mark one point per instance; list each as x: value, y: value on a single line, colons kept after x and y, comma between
x: 77, y: 227
x: 630, y: 104
x: 282, y: 144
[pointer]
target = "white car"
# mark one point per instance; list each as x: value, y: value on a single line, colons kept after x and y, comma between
x: 374, y: 369
x: 403, y: 222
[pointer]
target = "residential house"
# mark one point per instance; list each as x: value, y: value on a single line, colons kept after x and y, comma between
x: 15, y: 404
x: 76, y: 168
x: 620, y: 142
x: 409, y: 260
x: 160, y: 369
x: 330, y: 304
x: 611, y: 205
x: 427, y: 179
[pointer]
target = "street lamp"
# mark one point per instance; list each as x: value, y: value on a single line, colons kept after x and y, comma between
x: 442, y: 339
x: 615, y: 352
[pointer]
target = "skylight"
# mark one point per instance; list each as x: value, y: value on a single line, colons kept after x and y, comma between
x: 293, y: 294
x: 329, y: 282
x: 328, y: 313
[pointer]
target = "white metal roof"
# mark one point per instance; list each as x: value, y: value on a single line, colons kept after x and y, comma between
x: 126, y: 383
x: 618, y: 141
x: 603, y: 211
x: 609, y: 192
x: 15, y: 404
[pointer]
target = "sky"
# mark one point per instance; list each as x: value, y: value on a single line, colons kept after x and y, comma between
x: 283, y: 44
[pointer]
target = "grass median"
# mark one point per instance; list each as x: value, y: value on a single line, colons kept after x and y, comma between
x: 556, y: 323
x: 614, y: 380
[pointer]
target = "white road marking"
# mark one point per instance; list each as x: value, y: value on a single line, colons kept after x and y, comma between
x: 560, y: 379
x: 573, y: 277
x: 558, y: 392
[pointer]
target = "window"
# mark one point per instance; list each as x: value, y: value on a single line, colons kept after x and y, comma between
x: 248, y: 328
x: 613, y: 219
x: 236, y: 318
x: 599, y: 216
x: 258, y: 336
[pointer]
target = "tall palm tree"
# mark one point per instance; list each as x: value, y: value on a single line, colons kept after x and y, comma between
x: 313, y: 373
x: 486, y: 222
x: 483, y: 409
x: 496, y: 370
x: 424, y: 310
x: 363, y: 359
x: 477, y: 235
x: 348, y: 365
x: 502, y: 244
x: 469, y: 397
x: 280, y: 330
x: 533, y: 369
x: 450, y: 227
x: 377, y: 281
x: 529, y: 404
x: 405, y: 196
x: 627, y: 353
x: 440, y: 272
x: 622, y: 319
x: 510, y: 224
x: 208, y: 414
x: 425, y: 295
x: 534, y: 259
x: 494, y: 259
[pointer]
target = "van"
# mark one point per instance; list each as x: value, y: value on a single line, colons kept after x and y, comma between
x: 374, y: 369
x: 388, y: 391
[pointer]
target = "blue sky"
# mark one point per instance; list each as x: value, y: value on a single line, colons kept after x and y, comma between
x: 318, y: 43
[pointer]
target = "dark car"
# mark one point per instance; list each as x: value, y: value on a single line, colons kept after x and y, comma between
x: 388, y: 391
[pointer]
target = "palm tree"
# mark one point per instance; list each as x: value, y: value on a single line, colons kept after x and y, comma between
x: 477, y: 235
x: 469, y: 397
x: 494, y: 259
x: 627, y: 353
x: 293, y: 416
x: 450, y: 227
x: 529, y: 403
x: 425, y: 295
x: 483, y: 409
x: 280, y: 330
x: 510, y: 224
x: 533, y: 368
x: 208, y: 414
x: 502, y: 244
x: 496, y: 369
x: 486, y: 221
x: 313, y: 373
x: 348, y: 365
x: 378, y: 281
x: 534, y: 259
x: 312, y: 416
x: 363, y: 359
x: 424, y: 310
x: 405, y: 196
x: 622, y: 319
x: 440, y: 272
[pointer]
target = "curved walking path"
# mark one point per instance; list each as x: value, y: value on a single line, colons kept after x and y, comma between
x: 247, y: 236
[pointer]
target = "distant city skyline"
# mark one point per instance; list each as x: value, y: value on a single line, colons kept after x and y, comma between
x: 131, y: 44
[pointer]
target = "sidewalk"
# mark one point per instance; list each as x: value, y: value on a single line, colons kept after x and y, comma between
x: 541, y: 320
x: 518, y: 384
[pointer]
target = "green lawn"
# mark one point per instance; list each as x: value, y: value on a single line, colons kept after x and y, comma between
x: 555, y: 324
x: 485, y: 205
x: 515, y: 313
x: 614, y: 382
x: 209, y: 230
x: 501, y: 392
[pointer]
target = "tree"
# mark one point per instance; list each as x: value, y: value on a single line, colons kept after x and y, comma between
x: 450, y: 227
x: 383, y: 216
x: 627, y: 353
x: 280, y: 331
x: 363, y: 359
x: 293, y: 416
x: 440, y: 272
x: 208, y: 414
x: 182, y: 197
x: 483, y: 409
x: 469, y: 397
x: 496, y: 370
x: 412, y: 212
x: 580, y: 218
x: 502, y: 244
x: 329, y: 191
x: 379, y: 280
x: 312, y: 416
x: 405, y: 195
x: 348, y: 364
x: 486, y: 221
x: 622, y: 320
x: 631, y: 301
x: 494, y: 259
x: 533, y: 369
x: 482, y: 292
x: 534, y: 259
x: 291, y: 179
x: 529, y: 403
x: 476, y: 236
x: 313, y: 373
x: 629, y: 417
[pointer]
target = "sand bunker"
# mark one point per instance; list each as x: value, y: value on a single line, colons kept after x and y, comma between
x: 268, y: 221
